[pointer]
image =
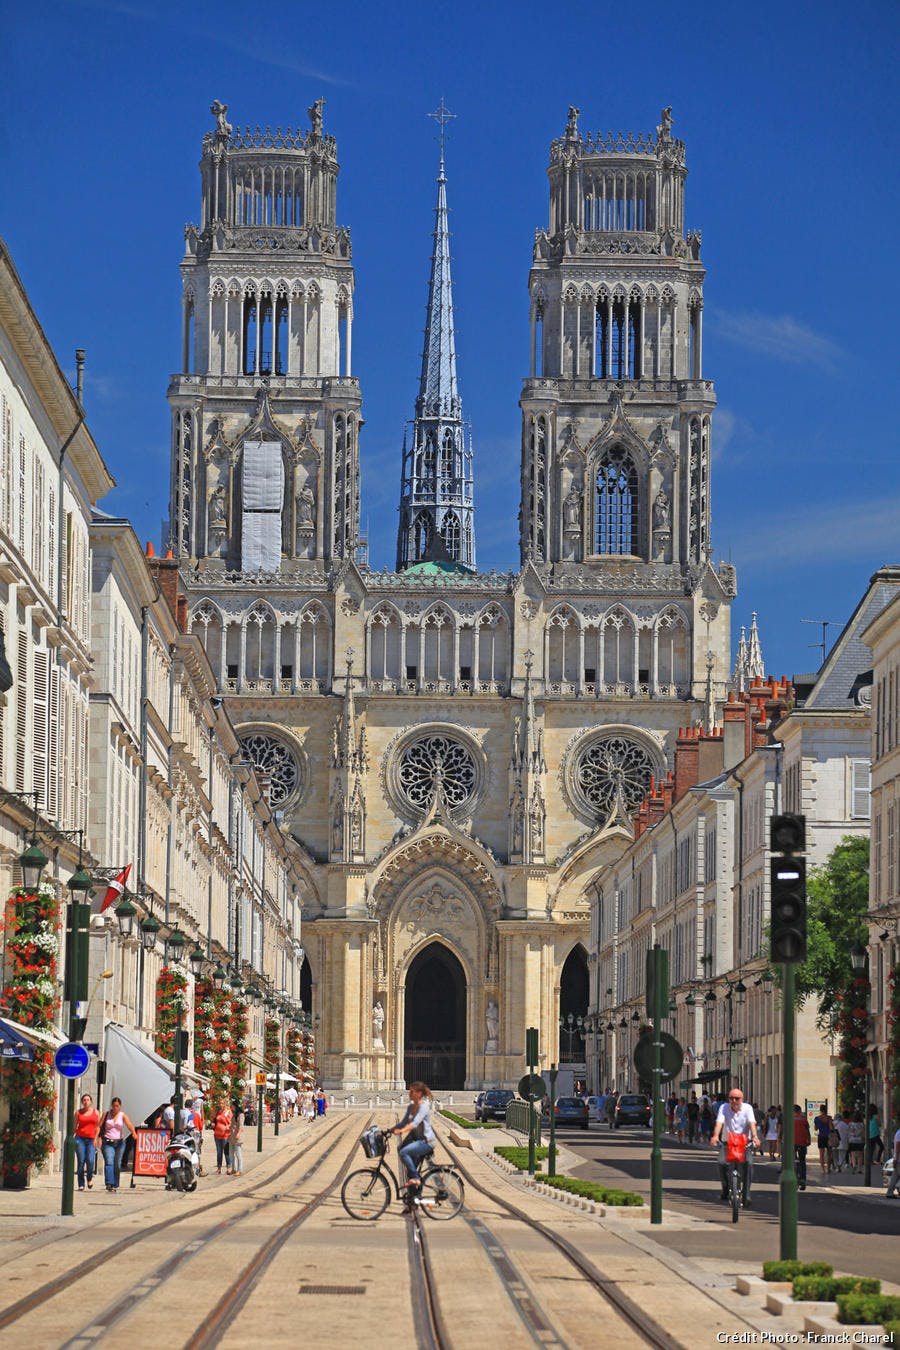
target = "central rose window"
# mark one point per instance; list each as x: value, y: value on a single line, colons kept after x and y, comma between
x: 274, y: 759
x: 432, y: 758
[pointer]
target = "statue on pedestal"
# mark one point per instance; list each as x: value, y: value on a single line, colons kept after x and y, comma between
x: 378, y: 1025
x: 492, y: 1017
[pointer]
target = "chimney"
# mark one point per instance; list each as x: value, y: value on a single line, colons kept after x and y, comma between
x: 735, y: 738
x: 655, y: 804
x: 79, y: 375
x: 687, y: 761
x: 711, y: 755
x: 165, y: 570
x: 668, y: 791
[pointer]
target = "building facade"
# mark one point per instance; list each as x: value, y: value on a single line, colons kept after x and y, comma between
x: 455, y: 754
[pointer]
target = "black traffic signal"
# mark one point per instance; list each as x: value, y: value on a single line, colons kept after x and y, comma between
x: 184, y: 1044
x: 788, y: 925
x: 787, y: 833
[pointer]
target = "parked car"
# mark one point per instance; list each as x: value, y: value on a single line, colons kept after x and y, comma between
x: 491, y: 1105
x: 569, y: 1111
x: 632, y: 1108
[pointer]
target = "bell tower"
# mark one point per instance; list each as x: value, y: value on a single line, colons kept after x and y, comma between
x: 265, y: 411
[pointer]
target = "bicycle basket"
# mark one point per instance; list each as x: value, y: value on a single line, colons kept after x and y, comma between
x: 736, y: 1148
x: 372, y: 1142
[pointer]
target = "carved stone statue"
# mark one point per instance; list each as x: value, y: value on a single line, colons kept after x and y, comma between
x: 537, y: 831
x: 356, y: 842
x: 218, y: 519
x: 572, y: 124
x: 337, y: 831
x: 306, y: 506
x: 665, y: 123
x: 572, y: 511
x: 661, y: 511
x: 492, y: 1017
x: 316, y: 116
x: 378, y: 1025
x: 218, y: 110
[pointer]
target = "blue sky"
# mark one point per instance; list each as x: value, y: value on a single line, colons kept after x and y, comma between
x: 789, y: 116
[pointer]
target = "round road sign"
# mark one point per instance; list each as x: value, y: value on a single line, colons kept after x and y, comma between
x: 671, y: 1056
x: 71, y: 1060
x: 532, y: 1087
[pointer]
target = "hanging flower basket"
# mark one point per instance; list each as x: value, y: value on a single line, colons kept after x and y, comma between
x: 171, y: 998
x: 29, y: 996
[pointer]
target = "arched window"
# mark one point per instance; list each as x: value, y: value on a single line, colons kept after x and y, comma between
x: 447, y: 462
x: 260, y: 645
x: 451, y: 535
x: 562, y: 646
x: 385, y: 644
x: 617, y: 503
x: 421, y: 534
x: 314, y: 644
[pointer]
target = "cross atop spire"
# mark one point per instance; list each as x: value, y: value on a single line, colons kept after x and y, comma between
x: 442, y: 116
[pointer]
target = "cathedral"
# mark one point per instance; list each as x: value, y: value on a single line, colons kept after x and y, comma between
x: 456, y: 755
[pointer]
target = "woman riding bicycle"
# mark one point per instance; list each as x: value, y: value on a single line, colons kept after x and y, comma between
x: 415, y: 1127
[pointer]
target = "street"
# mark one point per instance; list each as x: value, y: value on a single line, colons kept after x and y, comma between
x: 830, y: 1210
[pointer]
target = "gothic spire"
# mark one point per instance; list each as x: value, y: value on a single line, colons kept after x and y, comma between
x: 436, y: 501
x: 756, y: 666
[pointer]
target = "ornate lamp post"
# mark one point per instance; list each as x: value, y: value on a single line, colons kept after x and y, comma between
x: 859, y: 958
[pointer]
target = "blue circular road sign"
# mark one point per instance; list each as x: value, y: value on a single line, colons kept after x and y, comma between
x: 71, y: 1060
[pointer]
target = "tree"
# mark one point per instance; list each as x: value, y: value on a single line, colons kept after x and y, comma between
x: 837, y: 901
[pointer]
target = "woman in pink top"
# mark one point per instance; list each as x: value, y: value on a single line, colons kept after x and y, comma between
x: 111, y: 1136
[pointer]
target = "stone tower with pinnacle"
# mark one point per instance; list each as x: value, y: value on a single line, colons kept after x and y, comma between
x: 616, y: 411
x: 436, y: 499
x: 265, y: 412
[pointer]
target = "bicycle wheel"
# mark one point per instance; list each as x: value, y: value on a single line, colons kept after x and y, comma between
x: 366, y: 1194
x: 442, y: 1193
x: 735, y: 1187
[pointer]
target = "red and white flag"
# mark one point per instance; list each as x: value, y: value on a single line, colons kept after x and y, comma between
x: 116, y: 889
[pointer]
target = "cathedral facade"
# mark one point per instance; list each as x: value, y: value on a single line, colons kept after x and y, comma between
x: 456, y: 755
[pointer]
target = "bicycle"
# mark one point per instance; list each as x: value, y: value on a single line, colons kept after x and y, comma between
x: 366, y: 1193
x: 737, y: 1183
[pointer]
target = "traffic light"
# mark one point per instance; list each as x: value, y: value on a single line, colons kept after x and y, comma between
x: 788, y: 925
x: 787, y: 833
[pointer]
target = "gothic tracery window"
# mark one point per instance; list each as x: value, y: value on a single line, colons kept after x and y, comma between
x: 610, y: 766
x: 451, y: 534
x: 617, y: 503
x: 276, y: 762
x: 432, y: 756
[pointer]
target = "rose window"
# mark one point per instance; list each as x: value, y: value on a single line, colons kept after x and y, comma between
x: 436, y: 758
x: 280, y: 765
x: 609, y: 767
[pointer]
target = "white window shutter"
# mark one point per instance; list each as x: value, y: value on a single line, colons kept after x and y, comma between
x: 860, y: 789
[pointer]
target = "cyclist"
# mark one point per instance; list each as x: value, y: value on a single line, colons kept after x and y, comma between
x: 415, y: 1127
x: 735, y: 1117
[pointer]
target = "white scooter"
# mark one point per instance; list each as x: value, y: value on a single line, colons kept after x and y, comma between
x: 182, y: 1162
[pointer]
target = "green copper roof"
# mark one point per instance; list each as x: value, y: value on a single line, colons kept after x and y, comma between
x: 433, y: 567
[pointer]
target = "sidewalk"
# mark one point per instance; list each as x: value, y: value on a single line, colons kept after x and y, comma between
x: 32, y: 1217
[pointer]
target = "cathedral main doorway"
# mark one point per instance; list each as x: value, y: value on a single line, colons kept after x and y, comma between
x: 435, y: 1033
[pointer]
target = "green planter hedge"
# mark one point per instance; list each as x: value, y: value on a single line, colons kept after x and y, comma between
x: 868, y: 1309
x: 470, y: 1124
x: 789, y: 1270
x: 589, y: 1190
x: 518, y: 1156
x: 825, y: 1289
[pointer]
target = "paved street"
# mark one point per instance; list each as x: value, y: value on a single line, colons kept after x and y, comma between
x: 830, y: 1209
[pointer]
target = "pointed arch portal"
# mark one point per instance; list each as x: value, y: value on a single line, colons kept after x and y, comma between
x: 435, y: 1022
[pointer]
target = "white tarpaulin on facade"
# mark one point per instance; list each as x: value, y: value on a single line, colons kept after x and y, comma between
x: 262, y: 492
x: 143, y: 1079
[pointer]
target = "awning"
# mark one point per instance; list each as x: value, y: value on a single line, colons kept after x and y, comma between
x: 708, y: 1076
x: 142, y: 1078
x: 285, y: 1078
x: 13, y: 1045
x: 16, y: 1032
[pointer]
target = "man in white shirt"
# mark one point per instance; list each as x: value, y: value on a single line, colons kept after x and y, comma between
x: 735, y: 1117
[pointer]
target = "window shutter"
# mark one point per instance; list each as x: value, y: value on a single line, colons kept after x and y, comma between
x: 860, y: 789
x: 53, y: 746
x: 21, y: 709
x: 39, y: 704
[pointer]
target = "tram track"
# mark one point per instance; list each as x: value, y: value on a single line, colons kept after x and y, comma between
x: 652, y: 1332
x: 50, y: 1289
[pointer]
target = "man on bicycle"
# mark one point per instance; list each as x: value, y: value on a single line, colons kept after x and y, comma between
x: 735, y: 1117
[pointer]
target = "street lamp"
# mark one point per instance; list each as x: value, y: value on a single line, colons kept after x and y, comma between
x: 32, y: 862
x: 219, y: 976
x: 125, y: 913
x: 78, y: 918
x: 196, y: 960
x: 175, y: 944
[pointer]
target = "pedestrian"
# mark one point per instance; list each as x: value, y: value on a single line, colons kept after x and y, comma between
x: 671, y: 1103
x: 680, y: 1119
x: 321, y: 1103
x: 895, y: 1179
x: 706, y: 1120
x: 611, y: 1099
x: 601, y: 1106
x: 771, y: 1136
x: 693, y: 1118
x: 842, y: 1130
x: 235, y: 1138
x: 802, y: 1140
x: 855, y: 1142
x: 221, y: 1131
x: 87, y: 1121
x: 822, y: 1126
x: 111, y: 1138
x: 876, y: 1143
